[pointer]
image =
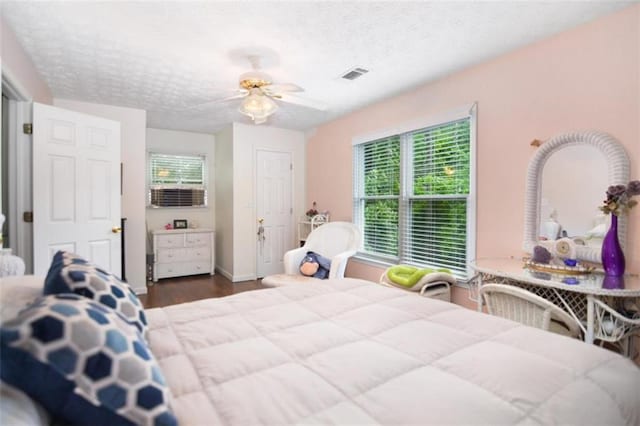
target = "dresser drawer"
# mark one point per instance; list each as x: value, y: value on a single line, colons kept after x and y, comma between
x: 194, y: 268
x: 172, y: 255
x: 198, y: 239
x: 169, y: 241
x: 169, y: 270
x: 197, y: 253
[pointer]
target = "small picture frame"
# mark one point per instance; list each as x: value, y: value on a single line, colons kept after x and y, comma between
x: 180, y: 224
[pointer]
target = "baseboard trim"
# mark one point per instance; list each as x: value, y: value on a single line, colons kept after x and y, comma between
x: 224, y: 273
x: 140, y: 290
x: 238, y: 278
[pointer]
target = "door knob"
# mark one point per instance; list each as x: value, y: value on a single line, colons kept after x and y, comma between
x: 116, y: 229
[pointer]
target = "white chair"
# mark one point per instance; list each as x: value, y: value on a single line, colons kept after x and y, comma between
x: 616, y: 328
x: 337, y: 241
x: 10, y: 264
x: 306, y: 226
x: 522, y: 306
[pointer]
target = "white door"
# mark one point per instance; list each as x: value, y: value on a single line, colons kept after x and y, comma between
x: 76, y: 187
x: 273, y: 206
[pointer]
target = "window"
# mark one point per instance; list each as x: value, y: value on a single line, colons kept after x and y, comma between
x: 177, y: 180
x: 414, y: 196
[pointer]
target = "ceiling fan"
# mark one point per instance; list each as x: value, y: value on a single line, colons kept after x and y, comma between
x: 258, y: 91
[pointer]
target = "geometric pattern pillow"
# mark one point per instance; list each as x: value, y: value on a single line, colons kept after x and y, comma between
x: 70, y: 273
x: 83, y: 363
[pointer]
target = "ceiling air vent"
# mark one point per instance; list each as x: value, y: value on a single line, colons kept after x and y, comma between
x: 354, y: 73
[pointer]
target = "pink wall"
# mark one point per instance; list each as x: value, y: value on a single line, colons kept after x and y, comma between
x: 585, y: 78
x: 20, y: 67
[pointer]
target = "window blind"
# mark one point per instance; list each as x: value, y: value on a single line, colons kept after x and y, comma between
x: 436, y: 215
x: 411, y: 196
x: 177, y: 180
x: 441, y: 159
x: 379, y: 167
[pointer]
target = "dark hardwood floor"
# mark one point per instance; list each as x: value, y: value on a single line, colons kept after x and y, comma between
x: 172, y: 291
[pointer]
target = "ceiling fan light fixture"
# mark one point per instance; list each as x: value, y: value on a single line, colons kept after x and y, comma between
x: 252, y: 79
x: 257, y: 106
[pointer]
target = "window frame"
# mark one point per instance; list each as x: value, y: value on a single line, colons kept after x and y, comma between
x: 406, y: 197
x: 151, y: 185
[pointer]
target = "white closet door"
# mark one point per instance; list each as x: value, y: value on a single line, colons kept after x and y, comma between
x: 273, y: 193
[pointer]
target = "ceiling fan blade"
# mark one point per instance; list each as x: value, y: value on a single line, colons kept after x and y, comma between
x: 230, y: 98
x: 296, y: 100
x: 219, y: 101
x: 277, y: 88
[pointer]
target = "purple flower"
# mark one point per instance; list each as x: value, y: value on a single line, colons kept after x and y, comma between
x: 633, y: 188
x: 616, y: 191
x: 619, y: 198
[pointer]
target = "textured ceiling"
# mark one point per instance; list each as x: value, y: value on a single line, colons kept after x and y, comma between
x: 171, y: 58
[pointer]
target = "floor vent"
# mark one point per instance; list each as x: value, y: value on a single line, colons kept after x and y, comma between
x: 354, y: 73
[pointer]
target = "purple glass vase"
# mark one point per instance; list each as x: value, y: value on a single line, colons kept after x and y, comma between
x: 613, y: 283
x: 612, y: 254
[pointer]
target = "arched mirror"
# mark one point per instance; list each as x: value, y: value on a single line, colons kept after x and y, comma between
x: 566, y: 182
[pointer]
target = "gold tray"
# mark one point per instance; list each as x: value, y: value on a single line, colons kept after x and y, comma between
x: 564, y: 270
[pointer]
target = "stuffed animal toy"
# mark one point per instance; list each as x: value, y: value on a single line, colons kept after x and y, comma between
x: 315, y: 265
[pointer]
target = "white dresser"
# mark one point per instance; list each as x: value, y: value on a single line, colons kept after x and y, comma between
x: 180, y: 252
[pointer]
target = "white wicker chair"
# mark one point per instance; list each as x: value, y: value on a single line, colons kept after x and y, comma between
x: 522, y: 306
x: 617, y: 329
x: 337, y: 241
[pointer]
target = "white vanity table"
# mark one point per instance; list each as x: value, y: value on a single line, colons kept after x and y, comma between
x: 601, y: 305
x: 594, y: 300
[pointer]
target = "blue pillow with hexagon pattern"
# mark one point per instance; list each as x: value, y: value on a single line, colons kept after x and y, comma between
x: 83, y: 363
x: 70, y: 273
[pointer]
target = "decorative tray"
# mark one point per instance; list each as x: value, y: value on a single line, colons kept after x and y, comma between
x: 559, y: 269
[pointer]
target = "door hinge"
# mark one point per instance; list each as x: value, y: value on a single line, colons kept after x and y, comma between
x: 290, y: 210
x: 290, y: 166
x: 27, y: 217
x: 27, y: 128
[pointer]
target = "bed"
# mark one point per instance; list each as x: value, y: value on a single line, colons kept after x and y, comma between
x: 348, y: 351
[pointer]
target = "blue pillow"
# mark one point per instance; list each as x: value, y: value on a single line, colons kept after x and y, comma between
x: 83, y: 363
x: 70, y: 273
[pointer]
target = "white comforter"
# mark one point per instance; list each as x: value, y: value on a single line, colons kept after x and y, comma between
x: 352, y: 352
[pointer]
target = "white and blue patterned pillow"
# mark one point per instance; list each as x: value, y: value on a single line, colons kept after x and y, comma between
x: 70, y: 273
x: 83, y: 363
